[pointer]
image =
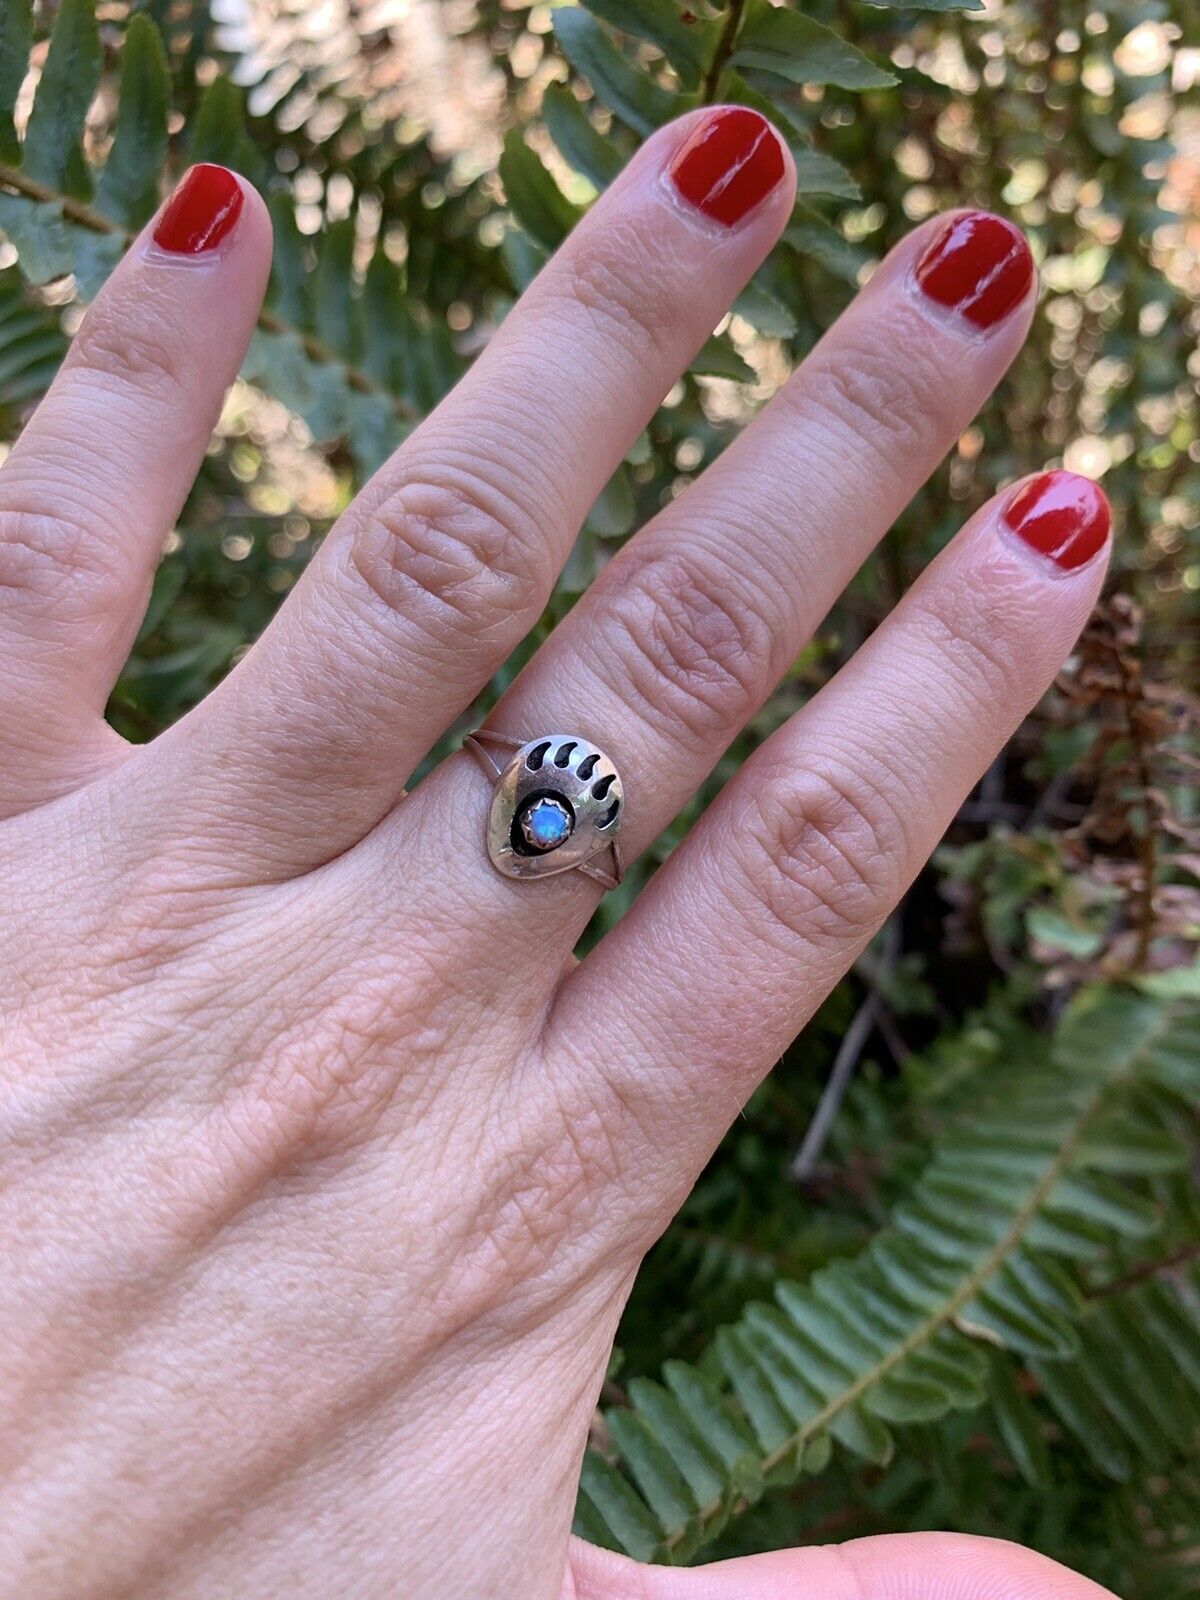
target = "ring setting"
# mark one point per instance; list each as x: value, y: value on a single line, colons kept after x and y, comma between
x: 556, y: 806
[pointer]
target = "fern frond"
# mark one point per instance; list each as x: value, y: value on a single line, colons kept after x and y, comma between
x: 350, y: 363
x: 1132, y: 1398
x: 970, y: 1264
x: 32, y: 343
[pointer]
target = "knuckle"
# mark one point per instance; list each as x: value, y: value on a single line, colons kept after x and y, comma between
x: 825, y: 854
x: 893, y: 408
x: 974, y: 645
x: 451, y: 552
x: 147, y: 923
x: 311, y: 1091
x: 621, y: 292
x: 693, y: 654
x: 130, y: 347
x: 54, y: 557
x: 541, y: 1192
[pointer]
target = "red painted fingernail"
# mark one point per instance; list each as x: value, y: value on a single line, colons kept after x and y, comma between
x: 1062, y: 516
x: 979, y: 266
x: 201, y: 212
x: 730, y: 163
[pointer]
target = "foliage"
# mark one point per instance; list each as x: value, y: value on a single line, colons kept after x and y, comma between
x: 973, y: 1299
x: 1048, y: 1160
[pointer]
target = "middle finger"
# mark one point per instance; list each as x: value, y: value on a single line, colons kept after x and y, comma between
x: 444, y: 562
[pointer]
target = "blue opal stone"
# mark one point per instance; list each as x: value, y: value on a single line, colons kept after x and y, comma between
x: 546, y: 824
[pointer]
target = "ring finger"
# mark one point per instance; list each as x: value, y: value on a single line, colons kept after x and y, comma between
x: 686, y: 632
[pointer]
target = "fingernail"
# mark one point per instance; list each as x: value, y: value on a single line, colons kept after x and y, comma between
x: 1061, y: 516
x: 730, y: 163
x: 201, y: 212
x: 978, y: 266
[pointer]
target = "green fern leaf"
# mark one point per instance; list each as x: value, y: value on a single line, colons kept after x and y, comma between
x: 616, y: 1512
x: 817, y: 173
x: 579, y: 143
x: 926, y: 5
x: 788, y: 45
x: 36, y: 230
x: 218, y: 130
x: 16, y: 39
x: 630, y: 94
x: 128, y: 186
x: 901, y: 1334
x: 534, y: 198
x: 31, y: 343
x: 53, y: 154
x: 1134, y: 1393
x: 333, y: 311
x: 289, y: 287
x: 1019, y: 1423
x: 688, y: 45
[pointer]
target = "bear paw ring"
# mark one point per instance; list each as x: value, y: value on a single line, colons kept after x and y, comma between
x: 556, y: 806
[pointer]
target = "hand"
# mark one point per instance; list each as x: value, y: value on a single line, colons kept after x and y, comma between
x: 325, y: 1171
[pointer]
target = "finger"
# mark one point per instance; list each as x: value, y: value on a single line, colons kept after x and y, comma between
x: 892, y: 1566
x: 96, y: 480
x: 693, y: 996
x: 685, y: 633
x: 445, y: 561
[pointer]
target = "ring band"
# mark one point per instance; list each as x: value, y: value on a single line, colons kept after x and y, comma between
x: 556, y: 806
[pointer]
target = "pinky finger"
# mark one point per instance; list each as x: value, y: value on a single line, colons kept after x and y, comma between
x: 693, y: 996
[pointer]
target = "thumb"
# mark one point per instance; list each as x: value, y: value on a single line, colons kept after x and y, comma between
x: 897, y: 1566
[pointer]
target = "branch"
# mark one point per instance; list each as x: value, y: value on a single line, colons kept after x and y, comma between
x: 847, y: 1058
x: 20, y: 183
x: 1148, y: 1269
x: 834, y: 1092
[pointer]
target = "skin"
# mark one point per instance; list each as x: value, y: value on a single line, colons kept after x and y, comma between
x: 325, y: 1170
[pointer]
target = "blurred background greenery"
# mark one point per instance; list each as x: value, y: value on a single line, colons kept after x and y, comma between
x: 979, y: 1161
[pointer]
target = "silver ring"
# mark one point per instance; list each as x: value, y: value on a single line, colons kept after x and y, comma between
x: 556, y: 806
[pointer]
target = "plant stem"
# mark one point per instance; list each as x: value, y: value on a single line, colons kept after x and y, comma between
x: 18, y: 182
x: 710, y: 88
x: 851, y: 1048
x: 21, y: 183
x: 1147, y: 843
x: 1148, y: 1269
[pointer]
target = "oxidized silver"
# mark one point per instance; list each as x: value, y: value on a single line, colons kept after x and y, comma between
x: 556, y: 806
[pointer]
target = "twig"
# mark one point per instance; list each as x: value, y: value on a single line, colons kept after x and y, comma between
x: 990, y: 811
x: 849, y: 1052
x: 1050, y: 800
x: 722, y: 53
x: 1148, y: 1269
x: 21, y: 183
x: 892, y: 1037
x: 1147, y: 843
x: 851, y: 1048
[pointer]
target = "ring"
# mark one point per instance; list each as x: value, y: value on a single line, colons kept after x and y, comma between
x: 556, y: 806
